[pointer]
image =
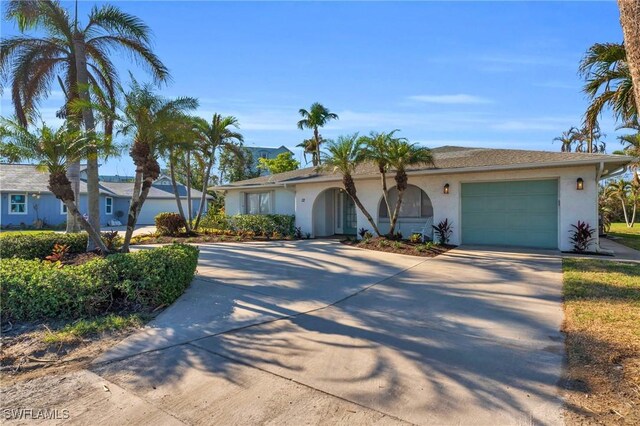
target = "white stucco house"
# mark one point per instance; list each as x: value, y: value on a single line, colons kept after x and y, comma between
x: 492, y: 196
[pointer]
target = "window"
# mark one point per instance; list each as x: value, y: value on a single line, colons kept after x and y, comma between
x: 18, y: 204
x: 415, y: 203
x: 258, y: 203
x: 108, y: 205
x: 63, y: 208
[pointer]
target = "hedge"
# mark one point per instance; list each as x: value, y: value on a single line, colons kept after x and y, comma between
x: 143, y: 280
x: 38, y: 246
x: 260, y: 224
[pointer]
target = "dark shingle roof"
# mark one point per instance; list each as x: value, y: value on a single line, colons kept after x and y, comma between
x: 449, y: 158
x: 26, y: 178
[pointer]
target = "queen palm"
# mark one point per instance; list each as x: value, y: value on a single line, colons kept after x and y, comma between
x: 608, y: 84
x: 152, y: 122
x: 78, y: 56
x: 211, y: 136
x: 53, y: 150
x: 343, y: 156
x: 377, y: 150
x: 401, y: 156
x: 620, y: 190
x: 317, y: 116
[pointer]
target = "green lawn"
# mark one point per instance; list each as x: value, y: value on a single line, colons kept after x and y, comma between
x: 24, y: 231
x: 602, y: 329
x: 630, y: 237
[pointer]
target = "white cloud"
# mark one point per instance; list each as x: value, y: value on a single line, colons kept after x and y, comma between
x: 455, y: 99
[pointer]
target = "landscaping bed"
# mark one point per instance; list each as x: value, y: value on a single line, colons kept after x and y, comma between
x: 428, y: 249
x: 602, y: 328
x: 55, y: 311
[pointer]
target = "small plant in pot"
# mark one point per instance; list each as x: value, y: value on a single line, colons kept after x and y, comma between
x: 581, y: 236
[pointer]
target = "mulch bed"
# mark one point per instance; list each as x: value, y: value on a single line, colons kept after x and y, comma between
x: 400, y: 247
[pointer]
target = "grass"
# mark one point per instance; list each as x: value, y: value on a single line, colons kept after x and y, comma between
x: 602, y: 328
x: 93, y: 326
x: 629, y: 237
x: 24, y: 231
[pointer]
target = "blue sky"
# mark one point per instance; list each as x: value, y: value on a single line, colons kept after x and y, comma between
x: 445, y: 73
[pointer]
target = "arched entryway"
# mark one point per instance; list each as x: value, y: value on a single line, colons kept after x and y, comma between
x: 416, y: 211
x: 334, y: 213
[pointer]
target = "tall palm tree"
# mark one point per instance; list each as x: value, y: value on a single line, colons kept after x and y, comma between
x: 630, y: 20
x: 317, y: 116
x: 53, y: 150
x: 402, y: 155
x: 620, y: 190
x: 608, y: 84
x: 151, y: 121
x: 343, y: 156
x: 212, y: 136
x: 377, y: 150
x: 78, y: 56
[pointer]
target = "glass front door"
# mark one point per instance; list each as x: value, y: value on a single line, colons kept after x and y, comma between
x: 349, y: 214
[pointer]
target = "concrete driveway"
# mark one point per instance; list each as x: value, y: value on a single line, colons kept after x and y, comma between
x: 313, y: 332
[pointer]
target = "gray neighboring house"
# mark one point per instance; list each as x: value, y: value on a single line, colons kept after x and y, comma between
x: 264, y: 152
x: 25, y: 198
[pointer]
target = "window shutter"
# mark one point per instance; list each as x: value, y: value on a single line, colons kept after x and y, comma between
x: 243, y: 208
x: 272, y: 202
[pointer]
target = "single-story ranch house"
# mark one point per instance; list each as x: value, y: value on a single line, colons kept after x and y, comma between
x: 25, y: 198
x: 492, y: 196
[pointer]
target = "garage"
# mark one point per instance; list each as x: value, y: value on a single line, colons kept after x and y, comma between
x: 510, y: 213
x: 152, y: 207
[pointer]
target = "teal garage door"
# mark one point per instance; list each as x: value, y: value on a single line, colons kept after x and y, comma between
x: 513, y: 213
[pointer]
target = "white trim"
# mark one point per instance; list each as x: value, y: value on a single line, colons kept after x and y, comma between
x: 62, y: 207
x: 107, y: 206
x: 26, y: 205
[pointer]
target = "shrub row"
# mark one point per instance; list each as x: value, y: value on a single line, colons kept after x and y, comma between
x: 38, y: 246
x: 34, y: 289
x: 260, y: 224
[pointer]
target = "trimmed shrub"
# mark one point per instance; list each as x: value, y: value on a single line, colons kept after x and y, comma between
x: 169, y: 224
x: 216, y: 220
x: 38, y: 246
x: 264, y: 224
x: 33, y: 289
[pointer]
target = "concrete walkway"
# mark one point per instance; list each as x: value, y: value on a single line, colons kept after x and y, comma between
x: 315, y: 332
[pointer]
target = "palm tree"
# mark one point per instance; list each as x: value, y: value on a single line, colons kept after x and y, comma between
x: 377, y: 150
x: 53, y: 150
x: 317, y: 116
x: 78, y: 56
x: 211, y: 137
x: 630, y: 20
x: 631, y: 144
x: 152, y: 122
x: 343, y: 156
x: 620, y: 190
x: 608, y: 84
x: 402, y: 155
x: 568, y: 139
x: 309, y: 147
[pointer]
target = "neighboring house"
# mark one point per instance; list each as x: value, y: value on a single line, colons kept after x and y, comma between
x: 492, y: 196
x: 25, y: 198
x: 263, y: 152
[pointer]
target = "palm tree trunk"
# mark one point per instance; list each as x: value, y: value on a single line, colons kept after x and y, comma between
x: 189, y: 187
x: 350, y: 187
x: 630, y: 20
x: 633, y: 216
x: 73, y: 174
x: 396, y: 212
x: 624, y: 210
x: 174, y: 184
x: 385, y: 193
x: 60, y: 186
x: 93, y: 191
x: 133, y: 210
x: 203, y: 197
x: 316, y: 136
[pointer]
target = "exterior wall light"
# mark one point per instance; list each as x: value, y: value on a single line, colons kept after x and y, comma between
x: 580, y: 184
x: 446, y: 188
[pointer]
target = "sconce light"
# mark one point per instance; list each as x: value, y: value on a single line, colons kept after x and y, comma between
x: 446, y: 188
x: 580, y: 184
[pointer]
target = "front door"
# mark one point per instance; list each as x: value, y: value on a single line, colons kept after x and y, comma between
x: 350, y: 219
